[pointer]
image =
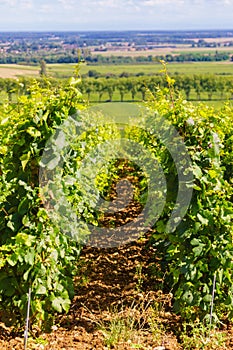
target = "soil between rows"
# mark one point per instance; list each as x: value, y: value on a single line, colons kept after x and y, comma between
x: 114, y: 284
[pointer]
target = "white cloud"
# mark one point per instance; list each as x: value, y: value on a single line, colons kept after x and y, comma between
x: 46, y: 8
x: 108, y: 3
x: 26, y: 4
x: 67, y: 4
x: 115, y: 14
x: 8, y: 3
x: 162, y: 2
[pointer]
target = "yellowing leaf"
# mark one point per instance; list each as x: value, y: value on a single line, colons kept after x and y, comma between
x: 33, y: 132
x: 213, y: 174
x: 25, y: 159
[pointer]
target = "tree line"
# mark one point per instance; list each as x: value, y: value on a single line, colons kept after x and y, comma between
x: 185, y: 57
x: 71, y: 56
x: 135, y: 88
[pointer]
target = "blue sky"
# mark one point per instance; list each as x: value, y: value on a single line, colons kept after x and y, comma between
x: 115, y: 14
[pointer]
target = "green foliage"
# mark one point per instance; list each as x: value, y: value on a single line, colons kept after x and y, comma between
x: 123, y: 86
x: 202, y: 245
x: 33, y: 252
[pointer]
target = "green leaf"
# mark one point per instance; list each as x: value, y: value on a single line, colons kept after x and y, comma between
x: 24, y: 239
x: 195, y: 241
x: 160, y: 226
x: 33, y: 132
x: 16, y: 221
x: 197, y: 171
x: 220, y: 275
x: 57, y: 304
x: 207, y: 298
x: 26, y: 274
x: 197, y: 188
x: 203, y: 220
x: 75, y: 81
x: 41, y: 290
x: 23, y: 206
x: 187, y: 297
x: 25, y: 159
x: 198, y: 250
x: 12, y: 259
x: 29, y: 257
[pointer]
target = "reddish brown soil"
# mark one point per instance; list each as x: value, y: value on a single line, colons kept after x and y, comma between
x: 115, y: 283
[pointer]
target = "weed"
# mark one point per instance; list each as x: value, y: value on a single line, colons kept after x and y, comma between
x: 139, y: 277
x: 130, y: 324
x: 200, y: 337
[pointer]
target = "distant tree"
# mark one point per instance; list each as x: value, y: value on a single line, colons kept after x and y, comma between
x: 43, y: 68
x: 88, y: 88
x: 142, y: 89
x: 131, y: 86
x: 197, y: 86
x: 99, y: 87
x: 209, y: 85
x: 229, y: 88
x: 110, y: 87
x: 122, y: 88
x: 221, y: 86
x: 93, y: 73
x: 187, y: 86
x: 124, y: 75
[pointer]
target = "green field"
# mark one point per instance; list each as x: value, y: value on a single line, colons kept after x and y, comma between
x: 66, y: 70
x: 174, y: 68
x: 216, y: 101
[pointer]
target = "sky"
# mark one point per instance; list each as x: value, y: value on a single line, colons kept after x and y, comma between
x: 65, y: 15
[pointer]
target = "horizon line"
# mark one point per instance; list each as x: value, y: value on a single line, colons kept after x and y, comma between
x: 111, y: 30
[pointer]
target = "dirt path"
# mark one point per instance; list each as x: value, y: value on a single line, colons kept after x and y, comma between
x: 116, y: 306
x: 114, y: 287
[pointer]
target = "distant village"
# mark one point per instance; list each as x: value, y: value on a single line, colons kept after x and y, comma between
x: 15, y: 43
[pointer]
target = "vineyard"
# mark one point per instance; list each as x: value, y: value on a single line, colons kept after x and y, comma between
x: 124, y: 87
x: 60, y: 166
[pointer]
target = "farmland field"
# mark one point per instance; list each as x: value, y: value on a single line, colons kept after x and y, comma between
x: 164, y: 50
x: 16, y: 70
x: 66, y: 70
x: 180, y: 68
